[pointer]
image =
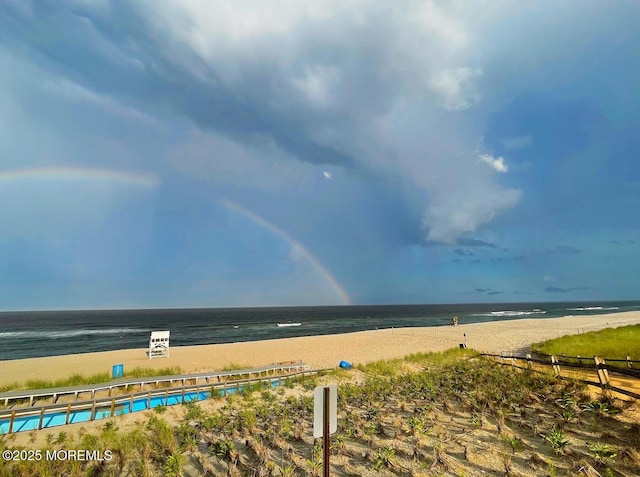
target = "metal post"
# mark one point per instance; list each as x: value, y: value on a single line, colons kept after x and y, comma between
x: 325, y: 433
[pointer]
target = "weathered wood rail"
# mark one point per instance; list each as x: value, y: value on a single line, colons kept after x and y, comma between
x: 596, y: 365
x: 22, y: 396
x: 110, y: 406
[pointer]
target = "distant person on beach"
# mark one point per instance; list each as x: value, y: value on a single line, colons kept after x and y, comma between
x: 454, y: 321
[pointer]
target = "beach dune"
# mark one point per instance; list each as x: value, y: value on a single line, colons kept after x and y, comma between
x: 321, y: 351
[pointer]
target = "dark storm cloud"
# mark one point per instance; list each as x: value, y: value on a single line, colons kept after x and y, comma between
x: 89, y: 47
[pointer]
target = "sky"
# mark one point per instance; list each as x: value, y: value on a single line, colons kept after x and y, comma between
x: 192, y: 153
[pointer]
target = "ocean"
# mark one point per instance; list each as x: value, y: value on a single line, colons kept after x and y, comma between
x: 29, y: 334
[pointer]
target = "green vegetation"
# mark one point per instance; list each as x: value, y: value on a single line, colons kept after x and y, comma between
x: 235, y: 367
x: 98, y: 378
x: 447, y: 414
x: 151, y: 372
x: 612, y: 343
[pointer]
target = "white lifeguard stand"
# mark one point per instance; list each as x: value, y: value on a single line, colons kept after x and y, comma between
x: 159, y: 344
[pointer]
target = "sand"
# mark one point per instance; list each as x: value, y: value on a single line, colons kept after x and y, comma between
x: 321, y: 351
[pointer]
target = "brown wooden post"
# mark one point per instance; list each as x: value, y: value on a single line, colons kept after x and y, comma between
x: 166, y: 397
x: 149, y: 400
x: 528, y: 361
x: 603, y: 374
x: 41, y: 418
x: 131, y: 404
x: 629, y: 363
x: 11, y: 419
x: 113, y: 407
x: 224, y: 389
x: 68, y: 414
x: 30, y: 400
x: 93, y: 411
x: 555, y: 366
x: 183, y: 394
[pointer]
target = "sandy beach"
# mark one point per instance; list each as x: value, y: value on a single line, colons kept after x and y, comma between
x: 321, y: 351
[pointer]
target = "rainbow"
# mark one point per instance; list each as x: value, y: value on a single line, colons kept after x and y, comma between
x: 80, y: 174
x: 294, y: 244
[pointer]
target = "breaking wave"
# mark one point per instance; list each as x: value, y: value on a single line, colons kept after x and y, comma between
x: 594, y: 308
x: 69, y: 333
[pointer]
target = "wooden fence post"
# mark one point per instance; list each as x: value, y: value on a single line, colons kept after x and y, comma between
x: 41, y: 418
x: 11, y: 419
x: 555, y: 366
x: 603, y: 374
x: 629, y: 363
x: 529, y: 361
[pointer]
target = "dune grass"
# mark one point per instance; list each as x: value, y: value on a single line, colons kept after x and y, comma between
x: 391, y: 367
x: 449, y: 413
x: 233, y: 366
x: 612, y: 343
x: 79, y: 379
x: 151, y: 372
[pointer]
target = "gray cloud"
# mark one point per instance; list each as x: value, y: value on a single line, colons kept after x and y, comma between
x: 558, y: 250
x: 622, y: 242
x: 256, y: 74
x: 464, y: 253
x: 469, y: 242
x: 564, y: 290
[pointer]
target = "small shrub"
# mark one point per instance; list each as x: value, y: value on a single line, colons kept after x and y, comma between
x: 557, y: 439
x: 601, y: 452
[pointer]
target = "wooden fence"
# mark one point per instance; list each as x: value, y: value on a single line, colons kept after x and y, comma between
x: 566, y: 366
x: 113, y: 406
